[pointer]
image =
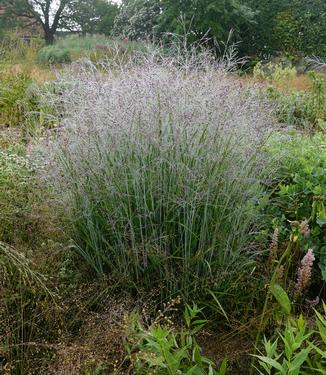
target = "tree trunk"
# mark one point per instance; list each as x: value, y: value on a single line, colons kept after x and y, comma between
x: 49, y: 37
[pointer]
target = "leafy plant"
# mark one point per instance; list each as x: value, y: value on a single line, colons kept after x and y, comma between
x: 304, y: 109
x: 299, y: 192
x: 294, y: 353
x: 53, y: 55
x: 161, y: 349
x: 275, y: 73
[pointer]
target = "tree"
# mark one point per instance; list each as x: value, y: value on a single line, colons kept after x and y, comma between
x: 137, y: 19
x: 214, y: 18
x: 50, y: 14
x: 95, y: 16
x: 286, y: 26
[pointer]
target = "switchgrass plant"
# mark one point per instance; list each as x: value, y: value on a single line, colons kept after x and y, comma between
x: 158, y: 166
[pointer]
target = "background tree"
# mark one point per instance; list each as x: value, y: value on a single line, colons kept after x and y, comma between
x: 214, y: 18
x: 49, y: 14
x: 285, y: 26
x: 137, y: 19
x: 93, y: 16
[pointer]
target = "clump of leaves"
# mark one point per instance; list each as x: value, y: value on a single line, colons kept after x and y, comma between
x: 163, y: 349
x: 298, y: 350
x: 299, y: 192
x: 304, y: 109
x: 53, y: 55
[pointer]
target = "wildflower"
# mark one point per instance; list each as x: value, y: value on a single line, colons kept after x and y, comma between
x: 304, y: 273
x: 273, y: 248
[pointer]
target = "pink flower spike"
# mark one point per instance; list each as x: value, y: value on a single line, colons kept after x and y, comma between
x: 304, y: 272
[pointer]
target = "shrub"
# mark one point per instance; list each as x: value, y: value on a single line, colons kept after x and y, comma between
x: 53, y: 55
x: 159, y: 171
x: 304, y: 109
x: 299, y: 191
x: 276, y: 73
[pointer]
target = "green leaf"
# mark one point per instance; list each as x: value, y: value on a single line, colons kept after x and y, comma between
x: 272, y: 363
x: 299, y: 359
x: 282, y: 298
x: 222, y: 370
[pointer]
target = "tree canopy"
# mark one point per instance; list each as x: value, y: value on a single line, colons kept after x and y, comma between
x: 263, y: 27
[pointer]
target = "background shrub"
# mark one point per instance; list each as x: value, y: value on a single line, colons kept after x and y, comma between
x: 299, y: 191
x: 54, y: 55
x: 304, y: 109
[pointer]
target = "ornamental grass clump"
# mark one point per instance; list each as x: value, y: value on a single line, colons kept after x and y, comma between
x: 159, y: 168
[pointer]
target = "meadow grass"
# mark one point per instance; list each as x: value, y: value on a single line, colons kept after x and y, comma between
x: 159, y: 168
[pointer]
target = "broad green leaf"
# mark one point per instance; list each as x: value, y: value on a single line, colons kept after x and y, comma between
x: 299, y: 359
x: 281, y: 297
x: 272, y: 363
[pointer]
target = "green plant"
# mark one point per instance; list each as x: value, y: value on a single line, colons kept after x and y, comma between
x: 16, y: 188
x: 53, y: 55
x: 15, y: 49
x: 170, y: 200
x: 161, y: 349
x: 13, y: 102
x: 26, y: 305
x: 299, y: 192
x: 295, y: 354
x: 304, y: 109
x: 275, y: 73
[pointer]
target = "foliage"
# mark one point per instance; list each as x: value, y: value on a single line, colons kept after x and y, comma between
x: 25, y: 307
x: 294, y: 352
x: 50, y: 15
x: 14, y: 49
x: 13, y: 103
x: 212, y: 18
x: 96, y: 47
x: 21, y: 105
x: 143, y: 18
x: 298, y: 191
x: 137, y: 19
x: 54, y: 55
x: 16, y: 186
x: 94, y: 17
x: 285, y: 26
x: 161, y: 349
x: 274, y: 73
x: 305, y: 109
